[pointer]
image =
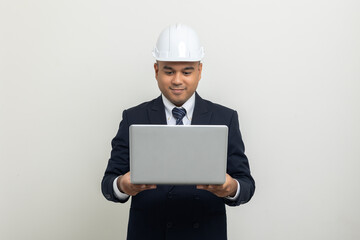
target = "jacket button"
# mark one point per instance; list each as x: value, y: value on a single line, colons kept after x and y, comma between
x: 196, y: 197
x: 169, y: 224
x: 196, y: 225
x: 169, y: 195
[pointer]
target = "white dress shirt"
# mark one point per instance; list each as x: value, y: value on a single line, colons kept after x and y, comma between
x: 170, y: 120
x: 188, y: 105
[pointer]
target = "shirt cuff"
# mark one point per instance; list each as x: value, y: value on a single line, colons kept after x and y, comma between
x: 119, y: 195
x: 237, y: 193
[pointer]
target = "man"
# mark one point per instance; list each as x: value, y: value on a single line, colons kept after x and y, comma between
x: 178, y: 212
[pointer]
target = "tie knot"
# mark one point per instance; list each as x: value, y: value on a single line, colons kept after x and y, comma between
x: 178, y: 114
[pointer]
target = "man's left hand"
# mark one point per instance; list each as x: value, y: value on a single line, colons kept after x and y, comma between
x: 228, y: 189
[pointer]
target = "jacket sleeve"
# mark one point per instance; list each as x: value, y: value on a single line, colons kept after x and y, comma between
x: 237, y: 164
x: 119, y: 160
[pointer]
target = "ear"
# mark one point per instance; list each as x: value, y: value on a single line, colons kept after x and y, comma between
x: 156, y: 68
x: 200, y: 70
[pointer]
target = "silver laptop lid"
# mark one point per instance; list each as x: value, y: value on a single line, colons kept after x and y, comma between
x: 167, y: 154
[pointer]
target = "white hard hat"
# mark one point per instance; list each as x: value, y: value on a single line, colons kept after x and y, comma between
x: 178, y: 43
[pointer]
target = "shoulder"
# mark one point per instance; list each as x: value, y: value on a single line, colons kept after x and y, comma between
x: 142, y: 107
x: 215, y: 107
x: 218, y: 107
x: 221, y: 113
x: 217, y: 113
x: 139, y: 114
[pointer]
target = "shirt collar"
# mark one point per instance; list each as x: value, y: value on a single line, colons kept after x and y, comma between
x: 188, y: 105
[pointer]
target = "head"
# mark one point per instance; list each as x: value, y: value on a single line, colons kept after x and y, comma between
x: 178, y: 53
x: 178, y: 80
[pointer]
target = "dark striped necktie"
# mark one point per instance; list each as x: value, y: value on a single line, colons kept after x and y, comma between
x: 179, y: 114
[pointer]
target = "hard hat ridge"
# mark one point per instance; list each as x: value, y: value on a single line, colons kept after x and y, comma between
x: 178, y: 43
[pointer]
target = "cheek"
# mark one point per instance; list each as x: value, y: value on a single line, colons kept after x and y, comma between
x: 194, y: 83
x: 162, y: 84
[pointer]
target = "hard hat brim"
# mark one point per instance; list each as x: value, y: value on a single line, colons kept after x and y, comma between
x: 177, y: 59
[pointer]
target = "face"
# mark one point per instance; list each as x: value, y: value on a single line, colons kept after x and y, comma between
x: 178, y: 80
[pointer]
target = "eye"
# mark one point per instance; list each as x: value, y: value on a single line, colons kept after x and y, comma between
x: 186, y: 73
x: 168, y: 73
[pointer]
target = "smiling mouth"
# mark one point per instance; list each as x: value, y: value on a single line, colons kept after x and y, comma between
x: 177, y: 90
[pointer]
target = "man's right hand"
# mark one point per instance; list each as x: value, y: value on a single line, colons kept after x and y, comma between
x: 125, y: 186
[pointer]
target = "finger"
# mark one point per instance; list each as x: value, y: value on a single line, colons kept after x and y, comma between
x: 142, y: 187
x: 202, y: 186
x: 215, y: 187
x: 138, y: 187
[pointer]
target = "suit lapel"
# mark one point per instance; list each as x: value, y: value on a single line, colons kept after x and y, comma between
x: 201, y: 115
x: 157, y: 112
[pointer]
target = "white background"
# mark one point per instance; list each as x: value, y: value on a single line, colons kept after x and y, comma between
x: 290, y: 68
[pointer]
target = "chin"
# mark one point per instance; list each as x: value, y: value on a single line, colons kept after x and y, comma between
x: 178, y: 102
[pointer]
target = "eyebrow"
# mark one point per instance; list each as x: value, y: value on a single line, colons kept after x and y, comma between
x: 189, y: 68
x: 170, y: 68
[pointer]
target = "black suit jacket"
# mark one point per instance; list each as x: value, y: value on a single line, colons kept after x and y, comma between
x: 179, y: 212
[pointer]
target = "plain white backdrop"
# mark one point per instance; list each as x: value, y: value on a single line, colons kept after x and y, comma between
x: 290, y: 68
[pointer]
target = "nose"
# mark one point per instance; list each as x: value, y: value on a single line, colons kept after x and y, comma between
x: 177, y: 79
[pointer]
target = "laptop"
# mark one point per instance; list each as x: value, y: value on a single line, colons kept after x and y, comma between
x: 185, y: 154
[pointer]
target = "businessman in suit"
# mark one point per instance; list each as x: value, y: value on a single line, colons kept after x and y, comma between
x: 178, y: 212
